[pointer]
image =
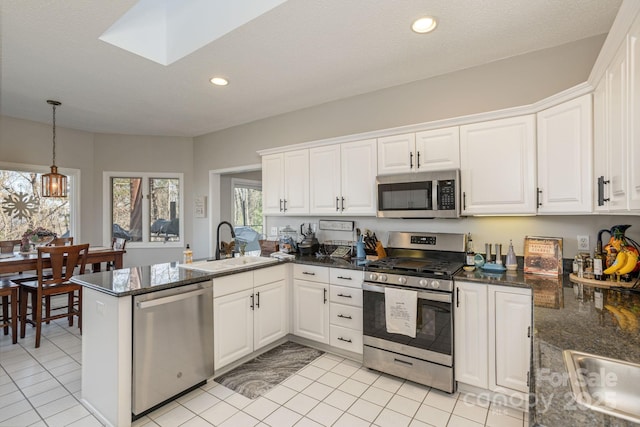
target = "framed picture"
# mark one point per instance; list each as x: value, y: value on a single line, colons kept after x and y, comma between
x: 543, y: 255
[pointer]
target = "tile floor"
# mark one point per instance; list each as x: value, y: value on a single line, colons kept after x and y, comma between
x: 41, y: 387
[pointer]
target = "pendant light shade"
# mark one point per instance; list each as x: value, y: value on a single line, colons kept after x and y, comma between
x: 53, y: 183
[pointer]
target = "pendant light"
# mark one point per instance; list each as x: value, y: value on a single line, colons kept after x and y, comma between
x: 54, y: 184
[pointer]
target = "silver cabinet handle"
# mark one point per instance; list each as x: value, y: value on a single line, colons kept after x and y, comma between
x: 418, y: 161
x: 325, y: 295
x: 343, y: 339
x: 403, y: 362
x: 257, y: 299
x: 342, y: 208
x: 308, y: 273
x: 411, y: 160
x: 344, y: 317
x: 344, y: 296
x: 344, y: 278
x: 251, y: 305
x: 167, y: 300
x: 337, y: 204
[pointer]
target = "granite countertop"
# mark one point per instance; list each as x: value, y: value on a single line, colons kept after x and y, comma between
x: 138, y: 280
x: 565, y: 317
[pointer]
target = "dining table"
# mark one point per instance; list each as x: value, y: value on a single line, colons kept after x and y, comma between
x: 25, y: 261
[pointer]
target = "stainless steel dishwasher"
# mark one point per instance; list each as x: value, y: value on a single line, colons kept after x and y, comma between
x: 172, y: 343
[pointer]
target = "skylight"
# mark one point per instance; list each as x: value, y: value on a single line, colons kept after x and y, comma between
x: 165, y: 31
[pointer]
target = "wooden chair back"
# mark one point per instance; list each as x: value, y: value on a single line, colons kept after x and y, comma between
x: 8, y: 246
x: 64, y: 260
x: 61, y: 241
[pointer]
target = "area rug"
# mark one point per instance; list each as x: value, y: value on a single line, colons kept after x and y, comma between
x: 259, y: 375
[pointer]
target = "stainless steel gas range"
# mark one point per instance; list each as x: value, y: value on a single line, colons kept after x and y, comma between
x: 408, y: 308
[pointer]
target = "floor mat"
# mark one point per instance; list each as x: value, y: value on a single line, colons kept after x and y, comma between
x: 259, y: 375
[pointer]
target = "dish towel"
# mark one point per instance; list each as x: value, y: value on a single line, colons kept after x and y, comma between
x: 400, y: 311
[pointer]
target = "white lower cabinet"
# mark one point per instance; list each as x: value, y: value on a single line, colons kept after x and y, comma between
x: 493, y: 337
x: 311, y: 302
x: 250, y: 310
x: 346, y: 309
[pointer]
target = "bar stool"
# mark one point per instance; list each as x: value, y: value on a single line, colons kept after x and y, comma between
x: 9, y: 318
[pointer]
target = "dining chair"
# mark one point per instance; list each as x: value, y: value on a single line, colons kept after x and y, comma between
x: 117, y: 243
x: 61, y: 241
x: 64, y: 260
x: 9, y: 318
x: 9, y: 246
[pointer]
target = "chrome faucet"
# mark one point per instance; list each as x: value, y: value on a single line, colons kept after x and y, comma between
x: 233, y: 235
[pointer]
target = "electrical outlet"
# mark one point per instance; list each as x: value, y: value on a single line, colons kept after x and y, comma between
x: 274, y: 231
x: 583, y: 243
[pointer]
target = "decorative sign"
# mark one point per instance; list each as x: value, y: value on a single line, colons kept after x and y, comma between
x: 200, y: 206
x: 543, y: 255
x: 19, y: 205
x: 336, y: 225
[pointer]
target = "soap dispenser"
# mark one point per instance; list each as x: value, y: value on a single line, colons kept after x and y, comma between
x: 511, y: 262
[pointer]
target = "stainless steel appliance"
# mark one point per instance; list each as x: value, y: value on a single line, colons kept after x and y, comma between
x: 172, y: 344
x: 425, y: 263
x: 433, y: 194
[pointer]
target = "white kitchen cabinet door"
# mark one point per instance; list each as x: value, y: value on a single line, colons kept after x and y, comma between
x: 600, y: 151
x: 359, y: 171
x: 325, y: 178
x: 509, y: 339
x: 498, y: 166
x: 634, y: 116
x: 438, y: 149
x: 270, y: 316
x: 471, y: 334
x: 272, y: 183
x: 296, y: 182
x: 565, y: 158
x: 311, y: 310
x: 396, y: 154
x: 232, y: 327
x: 616, y: 76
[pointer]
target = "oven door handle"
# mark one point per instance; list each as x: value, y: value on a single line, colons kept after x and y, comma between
x: 426, y: 295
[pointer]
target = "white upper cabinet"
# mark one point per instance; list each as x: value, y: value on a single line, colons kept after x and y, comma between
x: 342, y: 178
x: 285, y: 178
x: 565, y: 158
x: 617, y: 130
x: 423, y: 151
x: 438, y: 149
x: 498, y: 166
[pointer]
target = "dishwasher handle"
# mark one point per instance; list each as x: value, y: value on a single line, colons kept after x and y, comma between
x: 173, y: 298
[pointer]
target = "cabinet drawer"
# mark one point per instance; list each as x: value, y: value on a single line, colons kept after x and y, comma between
x: 345, y: 338
x: 345, y: 277
x: 345, y: 295
x: 233, y: 283
x: 347, y: 316
x: 263, y: 276
x: 312, y: 273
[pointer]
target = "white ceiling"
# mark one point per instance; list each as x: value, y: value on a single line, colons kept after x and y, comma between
x: 299, y: 54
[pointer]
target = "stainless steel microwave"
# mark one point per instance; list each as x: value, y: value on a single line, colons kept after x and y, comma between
x: 419, y: 195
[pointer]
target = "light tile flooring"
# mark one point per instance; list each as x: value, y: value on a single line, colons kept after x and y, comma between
x: 41, y: 387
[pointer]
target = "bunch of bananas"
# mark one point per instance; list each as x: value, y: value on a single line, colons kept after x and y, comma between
x: 625, y: 262
x: 625, y: 318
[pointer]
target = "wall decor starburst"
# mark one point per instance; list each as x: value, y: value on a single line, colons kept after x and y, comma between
x: 19, y: 205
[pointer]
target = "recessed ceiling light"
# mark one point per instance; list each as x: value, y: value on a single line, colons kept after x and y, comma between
x: 219, y: 81
x: 424, y: 25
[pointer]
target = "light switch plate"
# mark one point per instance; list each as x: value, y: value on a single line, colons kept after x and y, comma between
x: 583, y: 243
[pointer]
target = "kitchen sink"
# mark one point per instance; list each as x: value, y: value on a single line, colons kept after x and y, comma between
x: 229, y: 263
x: 605, y: 385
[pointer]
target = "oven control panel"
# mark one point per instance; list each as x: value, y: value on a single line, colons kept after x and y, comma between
x: 423, y: 240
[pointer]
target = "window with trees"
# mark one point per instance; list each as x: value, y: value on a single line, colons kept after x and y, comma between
x: 247, y: 214
x: 24, y: 208
x: 156, y: 221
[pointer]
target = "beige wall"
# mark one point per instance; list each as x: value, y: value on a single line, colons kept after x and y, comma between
x: 507, y: 83
x: 23, y: 141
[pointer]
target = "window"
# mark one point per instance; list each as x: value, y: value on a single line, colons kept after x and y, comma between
x: 247, y: 214
x: 144, y: 224
x: 23, y: 208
